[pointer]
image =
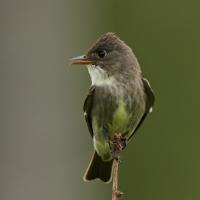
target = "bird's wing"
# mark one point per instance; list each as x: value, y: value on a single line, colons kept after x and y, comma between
x: 150, y: 95
x: 87, y: 108
x: 150, y: 100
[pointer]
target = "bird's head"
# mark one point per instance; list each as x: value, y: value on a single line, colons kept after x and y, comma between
x: 108, y: 57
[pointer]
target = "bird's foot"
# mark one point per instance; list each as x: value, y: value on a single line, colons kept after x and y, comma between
x: 124, y: 142
x: 117, y: 144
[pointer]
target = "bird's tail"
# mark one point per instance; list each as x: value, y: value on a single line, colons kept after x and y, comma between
x: 99, y: 169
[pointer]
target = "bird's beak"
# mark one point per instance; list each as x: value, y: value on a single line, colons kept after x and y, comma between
x: 81, y: 60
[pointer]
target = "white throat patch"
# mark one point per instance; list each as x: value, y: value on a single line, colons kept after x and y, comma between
x: 99, y: 76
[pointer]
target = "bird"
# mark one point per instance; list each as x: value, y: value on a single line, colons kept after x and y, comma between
x: 118, y: 100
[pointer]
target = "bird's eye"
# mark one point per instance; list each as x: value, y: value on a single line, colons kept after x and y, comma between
x: 102, y: 53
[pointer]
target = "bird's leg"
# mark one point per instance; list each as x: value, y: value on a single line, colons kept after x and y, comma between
x: 123, y: 142
x: 117, y: 144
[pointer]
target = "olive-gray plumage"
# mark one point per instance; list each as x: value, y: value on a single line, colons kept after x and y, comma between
x: 118, y: 101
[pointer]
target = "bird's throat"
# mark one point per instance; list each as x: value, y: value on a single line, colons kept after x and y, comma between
x: 99, y: 76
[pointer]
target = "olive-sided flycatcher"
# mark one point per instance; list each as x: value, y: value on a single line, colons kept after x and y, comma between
x: 119, y: 99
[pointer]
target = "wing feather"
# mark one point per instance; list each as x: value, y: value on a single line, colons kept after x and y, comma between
x: 87, y: 108
x: 150, y: 100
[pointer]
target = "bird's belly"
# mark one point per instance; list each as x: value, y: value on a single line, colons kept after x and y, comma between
x: 120, y: 120
x: 108, y: 121
x: 110, y: 118
x: 114, y: 115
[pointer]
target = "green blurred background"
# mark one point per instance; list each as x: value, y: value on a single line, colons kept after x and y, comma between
x: 44, y: 142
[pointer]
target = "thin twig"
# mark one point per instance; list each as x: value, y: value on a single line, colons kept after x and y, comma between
x: 116, y: 194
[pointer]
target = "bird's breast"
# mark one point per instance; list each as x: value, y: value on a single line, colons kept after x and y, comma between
x: 111, y: 111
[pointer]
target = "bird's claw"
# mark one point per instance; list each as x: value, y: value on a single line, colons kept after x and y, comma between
x: 117, y: 144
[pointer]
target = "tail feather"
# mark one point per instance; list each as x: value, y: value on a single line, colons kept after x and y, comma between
x: 99, y: 169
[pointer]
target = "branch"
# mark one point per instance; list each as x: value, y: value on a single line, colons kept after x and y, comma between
x: 118, y: 144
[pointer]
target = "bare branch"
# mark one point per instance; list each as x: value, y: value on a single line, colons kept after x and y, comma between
x: 118, y: 144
